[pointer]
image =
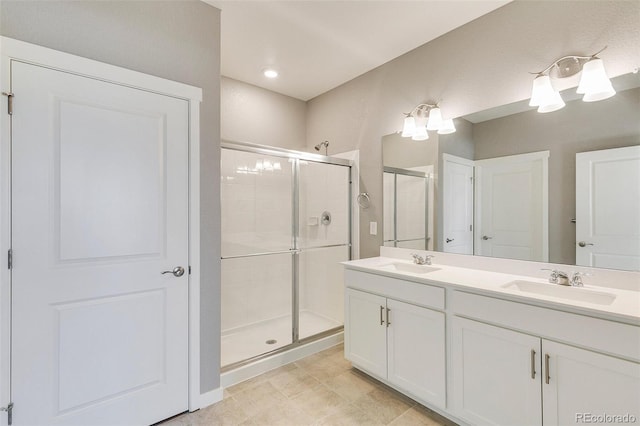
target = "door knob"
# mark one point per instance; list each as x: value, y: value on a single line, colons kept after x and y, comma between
x: 178, y: 271
x: 450, y: 239
x: 484, y: 237
x: 584, y: 244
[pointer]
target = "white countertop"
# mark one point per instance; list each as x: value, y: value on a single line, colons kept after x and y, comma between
x: 625, y: 307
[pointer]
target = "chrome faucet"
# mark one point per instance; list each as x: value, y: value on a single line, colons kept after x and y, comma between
x: 576, y: 278
x: 419, y: 260
x: 558, y: 277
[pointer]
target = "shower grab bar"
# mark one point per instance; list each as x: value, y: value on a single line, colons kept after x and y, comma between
x: 238, y: 256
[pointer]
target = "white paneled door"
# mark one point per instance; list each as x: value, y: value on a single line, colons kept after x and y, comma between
x: 457, y: 205
x: 100, y: 210
x: 608, y: 208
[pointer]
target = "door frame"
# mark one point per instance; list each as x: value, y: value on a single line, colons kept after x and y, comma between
x: 15, y: 50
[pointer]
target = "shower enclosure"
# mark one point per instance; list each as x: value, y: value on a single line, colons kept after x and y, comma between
x: 285, y: 228
x: 405, y: 208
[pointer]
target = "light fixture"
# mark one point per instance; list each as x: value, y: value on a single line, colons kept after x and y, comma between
x: 270, y: 73
x: 594, y: 83
x: 425, y: 117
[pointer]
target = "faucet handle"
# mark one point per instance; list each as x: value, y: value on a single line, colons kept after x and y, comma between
x: 557, y: 276
x: 576, y: 278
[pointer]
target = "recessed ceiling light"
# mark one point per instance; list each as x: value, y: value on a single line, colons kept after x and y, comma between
x: 270, y: 73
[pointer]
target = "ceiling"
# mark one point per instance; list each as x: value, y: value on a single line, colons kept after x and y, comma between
x: 318, y: 45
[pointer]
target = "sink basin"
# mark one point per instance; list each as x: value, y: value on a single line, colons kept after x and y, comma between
x: 562, y: 292
x: 410, y: 267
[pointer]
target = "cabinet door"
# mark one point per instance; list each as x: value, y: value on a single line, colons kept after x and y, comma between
x: 496, y: 375
x: 416, y: 354
x: 365, y: 332
x: 584, y: 383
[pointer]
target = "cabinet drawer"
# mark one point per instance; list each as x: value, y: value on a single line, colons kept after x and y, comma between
x: 407, y: 291
x: 578, y: 329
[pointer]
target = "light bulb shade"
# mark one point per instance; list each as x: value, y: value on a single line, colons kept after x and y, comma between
x: 447, y: 127
x: 409, y: 128
x: 435, y: 119
x: 544, y: 96
x: 594, y: 83
x: 420, y: 134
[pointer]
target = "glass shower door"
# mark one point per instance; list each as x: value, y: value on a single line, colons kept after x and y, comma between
x: 257, y: 260
x: 323, y: 240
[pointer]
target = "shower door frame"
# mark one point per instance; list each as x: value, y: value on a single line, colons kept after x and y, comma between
x: 295, y: 236
x: 405, y: 172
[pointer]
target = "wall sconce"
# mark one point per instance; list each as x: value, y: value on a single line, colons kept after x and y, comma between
x: 425, y: 117
x: 594, y: 83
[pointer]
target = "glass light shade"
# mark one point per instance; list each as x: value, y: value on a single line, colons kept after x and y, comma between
x: 594, y: 83
x: 420, y: 134
x: 409, y: 128
x: 435, y: 119
x: 447, y: 127
x: 544, y: 96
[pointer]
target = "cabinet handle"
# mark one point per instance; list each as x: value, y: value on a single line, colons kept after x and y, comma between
x: 381, y: 311
x: 388, y: 320
x: 546, y: 367
x: 533, y: 364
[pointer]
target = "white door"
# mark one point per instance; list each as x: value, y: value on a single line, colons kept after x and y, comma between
x: 416, y: 351
x: 512, y: 214
x: 100, y: 209
x: 608, y: 208
x: 581, y: 383
x: 457, y: 196
x: 366, y: 331
x: 496, y: 375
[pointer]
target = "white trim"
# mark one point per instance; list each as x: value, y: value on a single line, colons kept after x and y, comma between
x: 11, y: 49
x: 459, y: 160
x: 354, y: 156
x: 211, y: 397
x: 254, y: 369
x: 517, y: 158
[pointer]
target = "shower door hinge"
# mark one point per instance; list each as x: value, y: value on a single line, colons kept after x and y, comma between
x: 9, y: 96
x: 9, y: 410
x: 9, y: 259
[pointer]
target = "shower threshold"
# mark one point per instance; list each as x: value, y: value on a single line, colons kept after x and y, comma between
x: 255, y: 341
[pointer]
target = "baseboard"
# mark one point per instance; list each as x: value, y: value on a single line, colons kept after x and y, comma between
x: 211, y: 397
x: 246, y: 372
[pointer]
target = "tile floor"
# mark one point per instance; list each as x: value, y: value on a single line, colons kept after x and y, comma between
x: 322, y: 389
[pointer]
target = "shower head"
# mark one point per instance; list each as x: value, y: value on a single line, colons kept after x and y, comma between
x: 324, y: 144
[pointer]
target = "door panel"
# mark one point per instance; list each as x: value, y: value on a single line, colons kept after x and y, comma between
x: 457, y: 208
x: 581, y: 382
x: 416, y: 351
x: 492, y: 377
x: 608, y: 208
x: 511, y: 221
x: 100, y: 209
x: 366, y: 342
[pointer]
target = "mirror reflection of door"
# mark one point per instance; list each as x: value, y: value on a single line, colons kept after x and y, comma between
x: 457, y: 194
x: 512, y: 207
x: 608, y: 208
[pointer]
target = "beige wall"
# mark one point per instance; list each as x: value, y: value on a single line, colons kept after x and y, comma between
x: 252, y: 114
x: 177, y: 40
x: 579, y: 127
x: 481, y: 65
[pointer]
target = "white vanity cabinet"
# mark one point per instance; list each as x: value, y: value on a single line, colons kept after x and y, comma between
x: 400, y: 343
x: 502, y: 377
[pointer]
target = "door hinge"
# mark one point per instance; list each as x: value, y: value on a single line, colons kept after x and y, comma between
x: 189, y: 269
x: 9, y: 259
x: 470, y: 227
x: 9, y: 96
x: 9, y: 410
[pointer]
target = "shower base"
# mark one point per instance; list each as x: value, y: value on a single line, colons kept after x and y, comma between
x: 251, y: 341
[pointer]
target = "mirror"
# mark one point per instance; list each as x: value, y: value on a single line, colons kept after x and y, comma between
x: 505, y: 185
